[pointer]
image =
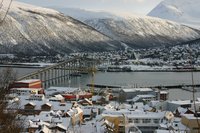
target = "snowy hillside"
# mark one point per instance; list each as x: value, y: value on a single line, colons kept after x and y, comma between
x: 33, y: 30
x: 135, y: 31
x: 144, y: 31
x: 82, y: 14
x: 183, y: 11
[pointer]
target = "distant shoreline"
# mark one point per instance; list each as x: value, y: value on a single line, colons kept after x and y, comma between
x: 38, y: 66
x: 21, y: 66
x: 172, y: 70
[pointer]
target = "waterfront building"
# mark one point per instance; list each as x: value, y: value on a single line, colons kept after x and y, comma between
x: 27, y: 91
x: 51, y: 91
x: 142, y: 98
x: 173, y: 105
x: 29, y: 83
x: 129, y: 93
x: 192, y: 122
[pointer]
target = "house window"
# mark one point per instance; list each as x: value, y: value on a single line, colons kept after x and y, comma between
x: 146, y: 120
x: 136, y: 121
x: 156, y: 121
x: 121, y: 121
x: 121, y: 129
x: 130, y: 120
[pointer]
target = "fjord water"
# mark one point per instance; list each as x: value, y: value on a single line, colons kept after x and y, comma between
x: 134, y: 79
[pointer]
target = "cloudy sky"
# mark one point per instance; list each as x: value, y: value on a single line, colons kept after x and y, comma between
x: 117, y: 6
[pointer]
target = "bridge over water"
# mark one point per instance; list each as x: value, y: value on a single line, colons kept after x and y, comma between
x: 63, y: 71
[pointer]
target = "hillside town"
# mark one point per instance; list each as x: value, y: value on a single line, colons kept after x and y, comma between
x: 99, y: 66
x: 127, y: 110
x: 175, y: 57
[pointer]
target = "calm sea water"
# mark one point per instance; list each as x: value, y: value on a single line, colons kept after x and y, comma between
x: 132, y: 79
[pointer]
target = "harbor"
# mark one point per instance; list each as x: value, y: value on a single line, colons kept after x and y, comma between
x: 76, y: 96
x: 172, y: 80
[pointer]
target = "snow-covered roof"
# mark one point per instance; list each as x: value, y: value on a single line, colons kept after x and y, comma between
x: 191, y: 116
x: 63, y: 123
x: 164, y: 92
x: 163, y: 131
x: 144, y: 96
x: 95, y: 98
x: 135, y: 114
x: 59, y: 96
x: 153, y: 103
x: 146, y: 115
x: 31, y: 103
x: 61, y: 126
x: 181, y: 102
x: 52, y: 90
x: 28, y: 81
x: 48, y: 104
x: 87, y: 111
x: 135, y: 99
x: 44, y: 129
x: 88, y: 101
x: 181, y: 110
x: 38, y: 104
x: 56, y: 97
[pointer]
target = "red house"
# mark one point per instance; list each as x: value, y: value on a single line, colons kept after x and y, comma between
x: 30, y: 83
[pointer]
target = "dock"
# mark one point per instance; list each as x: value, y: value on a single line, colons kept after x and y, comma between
x: 103, y: 86
x: 187, y: 87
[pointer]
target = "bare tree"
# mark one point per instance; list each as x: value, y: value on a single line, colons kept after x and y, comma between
x: 9, y: 122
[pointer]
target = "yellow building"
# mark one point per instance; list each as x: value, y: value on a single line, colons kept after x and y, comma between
x: 191, y: 122
x: 119, y: 124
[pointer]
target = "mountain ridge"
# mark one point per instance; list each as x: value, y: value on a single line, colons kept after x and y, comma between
x: 34, y: 30
x: 182, y: 11
x: 141, y: 32
x: 143, y: 37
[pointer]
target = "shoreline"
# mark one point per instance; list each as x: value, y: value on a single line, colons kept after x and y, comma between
x: 164, y: 70
x: 38, y: 66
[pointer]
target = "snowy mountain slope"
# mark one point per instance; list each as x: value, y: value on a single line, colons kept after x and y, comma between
x: 33, y: 30
x: 82, y: 14
x: 142, y: 32
x: 135, y: 31
x: 182, y: 11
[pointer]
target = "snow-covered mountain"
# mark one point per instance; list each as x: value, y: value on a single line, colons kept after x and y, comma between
x: 82, y: 14
x: 135, y: 31
x: 34, y: 30
x: 142, y: 32
x: 182, y: 11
